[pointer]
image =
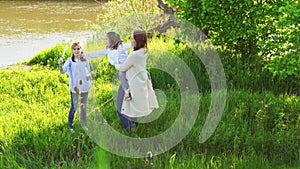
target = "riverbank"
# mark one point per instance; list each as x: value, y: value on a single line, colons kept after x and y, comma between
x: 28, y: 27
x: 14, y: 53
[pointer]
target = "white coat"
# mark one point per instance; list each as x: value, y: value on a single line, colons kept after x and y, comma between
x: 143, y: 97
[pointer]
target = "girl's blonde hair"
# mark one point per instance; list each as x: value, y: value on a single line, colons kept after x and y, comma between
x: 75, y: 44
x: 114, y: 40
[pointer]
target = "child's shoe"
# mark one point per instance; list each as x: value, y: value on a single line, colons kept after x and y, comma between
x: 72, y: 130
x: 127, y: 95
x: 85, y: 128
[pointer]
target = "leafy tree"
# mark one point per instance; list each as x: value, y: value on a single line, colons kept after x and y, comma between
x: 260, y: 33
x: 284, y: 45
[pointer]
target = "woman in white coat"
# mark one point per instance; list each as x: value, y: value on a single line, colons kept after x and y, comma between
x: 143, y: 97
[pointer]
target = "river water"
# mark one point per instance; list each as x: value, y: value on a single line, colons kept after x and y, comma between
x: 28, y: 27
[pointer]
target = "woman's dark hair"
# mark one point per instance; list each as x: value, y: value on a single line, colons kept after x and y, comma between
x: 140, y: 38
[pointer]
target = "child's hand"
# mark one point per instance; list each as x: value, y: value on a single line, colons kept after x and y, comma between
x: 89, y: 77
x: 60, y: 62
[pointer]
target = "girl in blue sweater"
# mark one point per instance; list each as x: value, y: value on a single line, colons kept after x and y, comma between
x: 78, y: 69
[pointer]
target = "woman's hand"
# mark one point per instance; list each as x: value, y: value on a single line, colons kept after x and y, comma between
x: 82, y: 57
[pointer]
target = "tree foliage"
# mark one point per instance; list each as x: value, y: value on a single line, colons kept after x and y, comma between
x: 263, y: 30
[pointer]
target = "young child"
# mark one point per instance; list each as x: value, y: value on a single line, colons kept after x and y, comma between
x: 117, y: 54
x: 116, y: 51
x: 79, y: 82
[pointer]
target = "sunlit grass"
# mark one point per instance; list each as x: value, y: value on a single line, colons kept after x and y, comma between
x: 257, y: 129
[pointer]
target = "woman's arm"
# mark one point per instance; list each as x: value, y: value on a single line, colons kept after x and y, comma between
x: 96, y: 54
x: 127, y: 64
x: 127, y: 46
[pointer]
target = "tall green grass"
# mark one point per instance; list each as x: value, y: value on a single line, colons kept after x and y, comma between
x: 33, y: 116
x: 257, y: 129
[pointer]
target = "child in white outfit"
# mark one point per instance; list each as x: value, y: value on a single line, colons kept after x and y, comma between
x: 117, y: 54
x: 116, y: 51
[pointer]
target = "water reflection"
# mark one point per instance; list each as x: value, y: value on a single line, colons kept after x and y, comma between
x: 27, y: 27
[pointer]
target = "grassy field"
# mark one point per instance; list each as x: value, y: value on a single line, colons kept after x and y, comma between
x: 258, y: 129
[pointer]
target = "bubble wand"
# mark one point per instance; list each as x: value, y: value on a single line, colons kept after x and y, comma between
x: 61, y: 59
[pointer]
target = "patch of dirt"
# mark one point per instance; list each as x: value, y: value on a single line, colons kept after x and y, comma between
x: 12, y: 67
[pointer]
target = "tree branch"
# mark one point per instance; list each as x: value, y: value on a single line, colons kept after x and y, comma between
x: 165, y: 8
x: 171, y: 22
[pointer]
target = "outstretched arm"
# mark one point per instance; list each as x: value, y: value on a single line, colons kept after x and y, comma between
x: 96, y: 54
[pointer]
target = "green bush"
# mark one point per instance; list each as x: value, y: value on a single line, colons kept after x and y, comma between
x: 283, y: 45
x: 256, y: 37
x: 49, y: 57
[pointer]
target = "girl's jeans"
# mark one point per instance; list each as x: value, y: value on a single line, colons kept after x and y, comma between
x: 74, y: 105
